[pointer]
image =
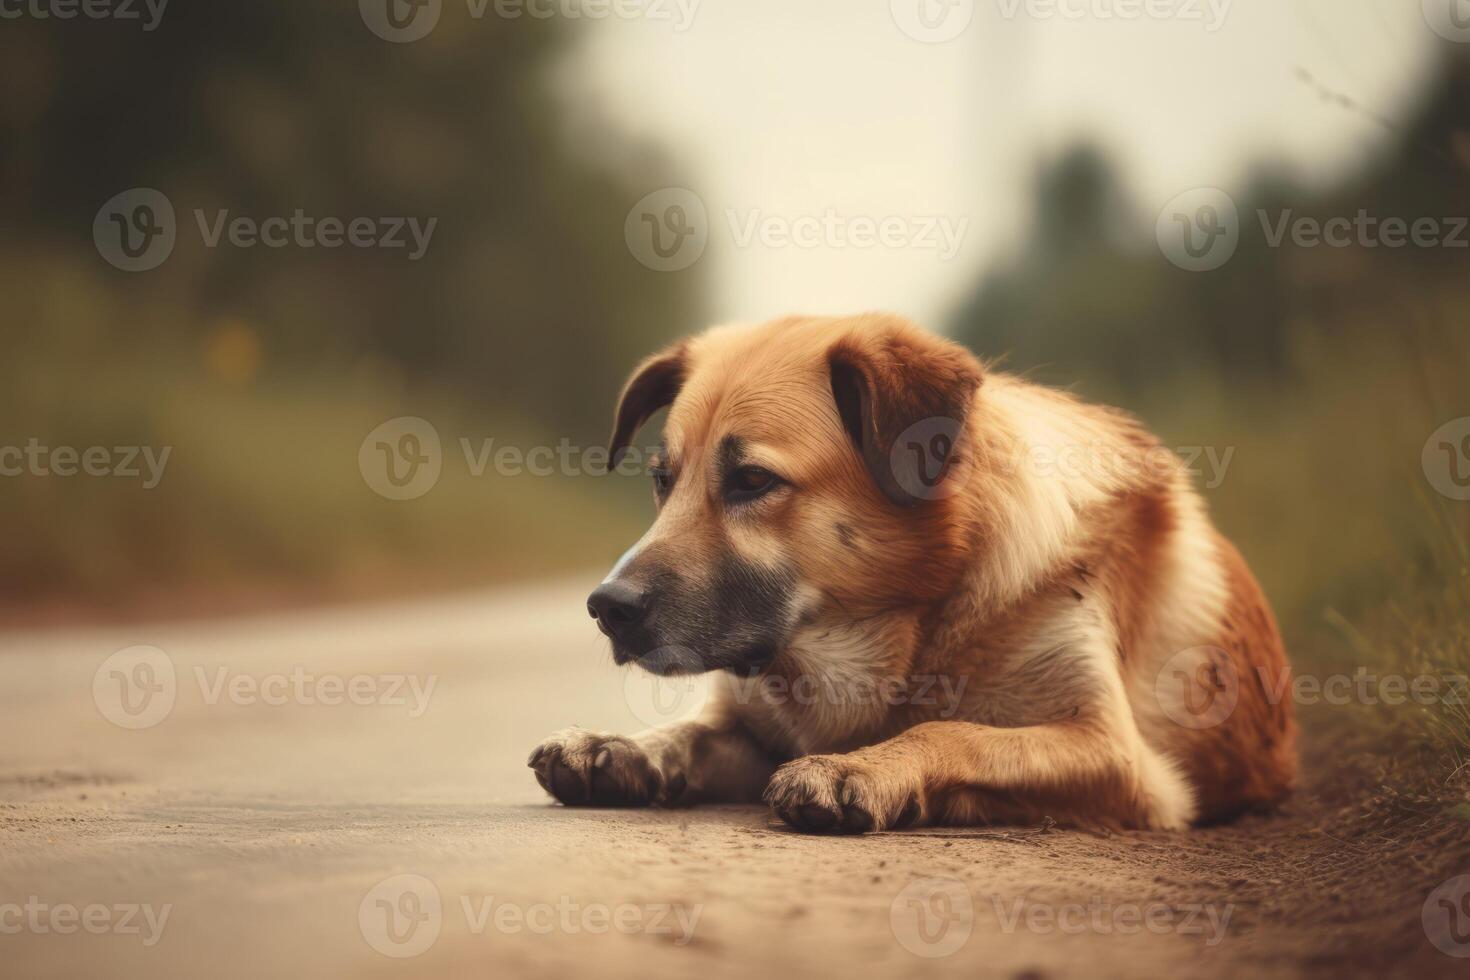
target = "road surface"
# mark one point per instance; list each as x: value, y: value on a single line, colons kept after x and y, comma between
x: 344, y: 793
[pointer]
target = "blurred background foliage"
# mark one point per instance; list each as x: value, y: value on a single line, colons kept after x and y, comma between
x: 264, y: 368
x: 1323, y: 369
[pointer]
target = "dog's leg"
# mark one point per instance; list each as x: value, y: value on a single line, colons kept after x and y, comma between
x: 940, y: 772
x: 710, y: 760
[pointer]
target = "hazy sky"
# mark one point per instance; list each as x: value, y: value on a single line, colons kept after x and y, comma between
x: 777, y: 110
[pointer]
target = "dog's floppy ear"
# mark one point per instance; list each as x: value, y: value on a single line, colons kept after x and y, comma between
x: 654, y: 384
x: 903, y: 395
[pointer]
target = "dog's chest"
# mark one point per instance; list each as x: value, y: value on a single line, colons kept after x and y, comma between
x: 843, y: 688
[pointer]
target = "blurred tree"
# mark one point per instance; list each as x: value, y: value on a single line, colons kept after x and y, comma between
x: 1090, y: 296
x: 526, y: 298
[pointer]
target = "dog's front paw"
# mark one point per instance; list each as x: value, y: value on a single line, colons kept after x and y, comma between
x: 582, y: 768
x: 841, y: 794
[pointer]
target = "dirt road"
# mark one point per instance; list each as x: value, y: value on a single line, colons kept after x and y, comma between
x: 344, y: 793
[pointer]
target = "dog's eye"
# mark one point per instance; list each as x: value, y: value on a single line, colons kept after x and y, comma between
x: 663, y: 481
x: 750, y: 482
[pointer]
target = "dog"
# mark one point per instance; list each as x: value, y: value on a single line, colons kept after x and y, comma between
x: 927, y: 593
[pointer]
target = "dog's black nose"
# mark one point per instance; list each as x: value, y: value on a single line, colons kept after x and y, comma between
x: 616, y: 606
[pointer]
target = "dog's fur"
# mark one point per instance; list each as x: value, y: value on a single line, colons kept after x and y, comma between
x: 1032, y: 633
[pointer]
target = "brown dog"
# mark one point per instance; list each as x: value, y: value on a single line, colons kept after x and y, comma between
x: 929, y: 594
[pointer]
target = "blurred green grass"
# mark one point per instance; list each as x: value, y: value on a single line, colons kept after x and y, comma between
x: 262, y: 485
x: 1365, y: 562
x: 1324, y: 491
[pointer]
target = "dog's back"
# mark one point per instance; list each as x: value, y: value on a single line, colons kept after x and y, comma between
x: 1197, y: 647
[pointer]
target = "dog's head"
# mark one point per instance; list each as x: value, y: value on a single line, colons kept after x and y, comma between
x: 809, y: 467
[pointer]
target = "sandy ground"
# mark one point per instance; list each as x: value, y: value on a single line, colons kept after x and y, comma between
x: 408, y: 838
